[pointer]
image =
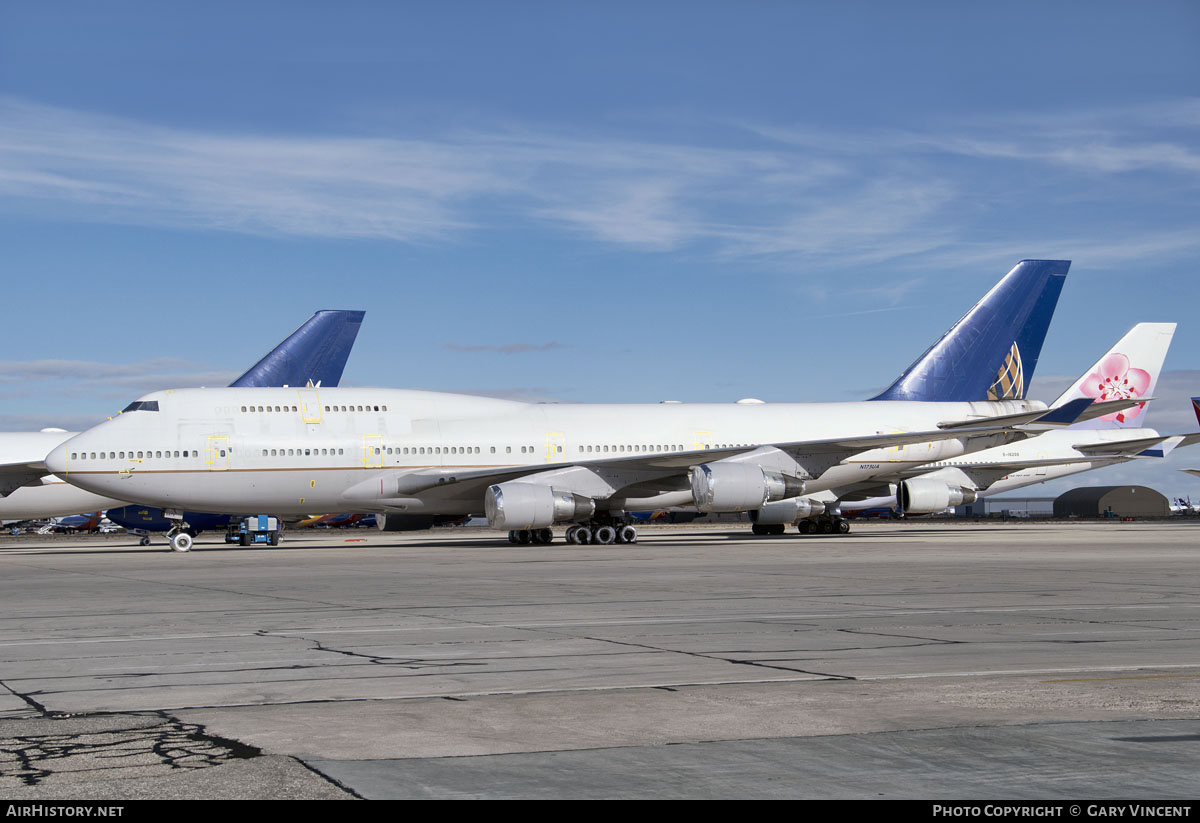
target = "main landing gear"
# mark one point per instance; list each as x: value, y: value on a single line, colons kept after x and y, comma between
x: 584, y: 534
x: 822, y: 524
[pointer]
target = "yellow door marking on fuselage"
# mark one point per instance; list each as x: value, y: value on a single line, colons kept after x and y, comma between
x: 216, y: 453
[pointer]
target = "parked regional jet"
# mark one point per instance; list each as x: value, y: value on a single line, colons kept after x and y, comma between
x: 1129, y: 370
x: 412, y: 455
x: 316, y: 352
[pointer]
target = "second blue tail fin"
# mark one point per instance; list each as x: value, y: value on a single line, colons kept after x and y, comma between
x: 316, y: 351
x: 989, y: 354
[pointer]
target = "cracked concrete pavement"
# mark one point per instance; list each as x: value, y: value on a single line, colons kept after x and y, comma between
x: 327, y: 669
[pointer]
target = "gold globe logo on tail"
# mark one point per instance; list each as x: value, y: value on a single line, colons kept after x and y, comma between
x: 1010, y: 380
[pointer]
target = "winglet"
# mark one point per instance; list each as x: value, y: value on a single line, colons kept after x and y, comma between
x: 1196, y: 407
x: 316, y: 352
x: 991, y: 353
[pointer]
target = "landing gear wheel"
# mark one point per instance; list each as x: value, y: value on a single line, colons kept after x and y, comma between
x: 524, y: 537
x: 181, y: 542
x: 145, y: 541
x: 825, y: 527
x: 627, y: 534
x: 805, y: 527
x: 583, y: 535
x: 843, y: 526
x: 605, y: 536
x: 570, y: 535
x: 543, y: 537
x: 759, y: 530
x: 512, y: 537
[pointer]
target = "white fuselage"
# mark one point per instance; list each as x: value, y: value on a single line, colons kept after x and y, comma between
x: 293, y: 451
x: 1052, y: 445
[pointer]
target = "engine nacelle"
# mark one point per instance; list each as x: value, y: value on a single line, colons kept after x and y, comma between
x: 735, y: 487
x: 530, y: 506
x: 926, y: 496
x: 787, y: 512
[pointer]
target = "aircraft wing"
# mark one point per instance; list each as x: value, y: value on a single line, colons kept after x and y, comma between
x: 654, y: 469
x: 15, y: 475
x: 984, y: 475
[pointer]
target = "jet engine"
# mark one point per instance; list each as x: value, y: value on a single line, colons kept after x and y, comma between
x: 530, y: 506
x: 733, y: 487
x: 786, y: 512
x: 926, y: 496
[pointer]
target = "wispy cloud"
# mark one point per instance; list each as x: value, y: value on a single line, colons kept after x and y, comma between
x: 506, y: 348
x: 105, y: 381
x: 786, y: 196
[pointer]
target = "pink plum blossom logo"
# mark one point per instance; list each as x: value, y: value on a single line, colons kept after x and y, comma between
x: 1114, y: 380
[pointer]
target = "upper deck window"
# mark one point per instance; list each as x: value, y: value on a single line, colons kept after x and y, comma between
x: 141, y: 405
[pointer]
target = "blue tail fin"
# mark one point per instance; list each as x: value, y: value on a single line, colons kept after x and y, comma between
x: 316, y: 351
x: 989, y: 354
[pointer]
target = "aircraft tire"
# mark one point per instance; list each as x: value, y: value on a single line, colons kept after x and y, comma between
x: 181, y: 542
x: 805, y: 527
x: 145, y: 541
x: 627, y: 534
x: 605, y: 536
x: 843, y: 526
x: 524, y: 537
x: 825, y: 527
x: 544, y: 536
x: 583, y: 536
x: 512, y: 537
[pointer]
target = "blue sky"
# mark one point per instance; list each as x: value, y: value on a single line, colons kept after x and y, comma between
x: 587, y: 202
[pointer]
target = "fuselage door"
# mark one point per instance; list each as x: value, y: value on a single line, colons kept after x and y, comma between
x: 310, y: 405
x: 372, y: 451
x: 216, y: 453
x: 556, y: 447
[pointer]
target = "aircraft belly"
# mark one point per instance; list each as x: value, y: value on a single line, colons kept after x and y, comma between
x: 56, y: 499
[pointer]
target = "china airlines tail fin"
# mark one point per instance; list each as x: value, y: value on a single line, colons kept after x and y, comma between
x: 989, y: 354
x: 316, y: 352
x: 1130, y: 369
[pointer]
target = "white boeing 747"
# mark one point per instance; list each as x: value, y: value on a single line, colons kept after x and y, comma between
x: 413, y: 457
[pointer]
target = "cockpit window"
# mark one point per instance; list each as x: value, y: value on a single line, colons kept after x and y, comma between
x: 141, y: 405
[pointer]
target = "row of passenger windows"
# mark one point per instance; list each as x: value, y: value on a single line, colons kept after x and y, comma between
x: 301, y: 452
x: 398, y: 450
x: 132, y: 455
x: 248, y: 409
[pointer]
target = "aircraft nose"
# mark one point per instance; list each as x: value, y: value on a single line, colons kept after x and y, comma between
x: 56, y: 461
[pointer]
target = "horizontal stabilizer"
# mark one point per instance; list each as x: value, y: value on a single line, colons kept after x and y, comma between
x: 1064, y: 415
